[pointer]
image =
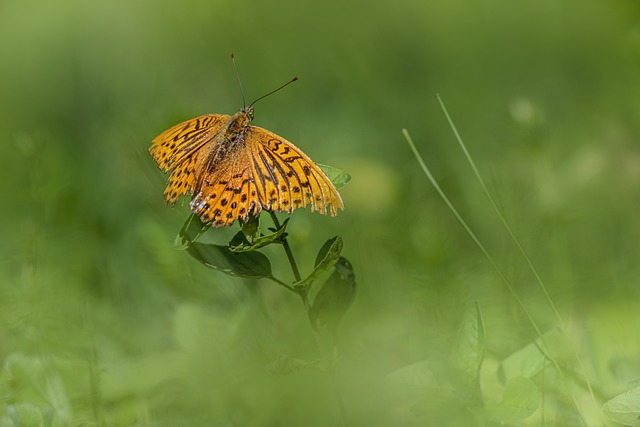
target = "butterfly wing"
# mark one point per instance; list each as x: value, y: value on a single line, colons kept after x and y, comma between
x: 286, y: 178
x: 177, y: 149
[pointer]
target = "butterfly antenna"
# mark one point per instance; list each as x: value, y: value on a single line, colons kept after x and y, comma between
x: 233, y: 61
x: 275, y: 90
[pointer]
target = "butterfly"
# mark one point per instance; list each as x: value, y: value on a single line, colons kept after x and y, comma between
x: 233, y: 170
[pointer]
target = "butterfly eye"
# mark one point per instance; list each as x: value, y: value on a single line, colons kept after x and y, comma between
x: 251, y: 114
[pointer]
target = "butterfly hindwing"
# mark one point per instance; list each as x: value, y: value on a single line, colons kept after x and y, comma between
x: 181, y: 181
x: 227, y: 194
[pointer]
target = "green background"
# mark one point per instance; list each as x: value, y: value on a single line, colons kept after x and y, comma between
x: 103, y: 323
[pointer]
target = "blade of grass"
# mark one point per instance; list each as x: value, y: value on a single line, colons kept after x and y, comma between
x: 502, y: 276
x: 515, y: 239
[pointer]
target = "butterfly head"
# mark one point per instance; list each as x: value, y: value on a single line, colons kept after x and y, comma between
x: 245, y: 116
x: 248, y: 111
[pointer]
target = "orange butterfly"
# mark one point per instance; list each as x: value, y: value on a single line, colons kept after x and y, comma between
x: 233, y: 169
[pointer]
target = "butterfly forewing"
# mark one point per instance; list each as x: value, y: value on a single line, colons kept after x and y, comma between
x: 286, y: 178
x: 178, y: 148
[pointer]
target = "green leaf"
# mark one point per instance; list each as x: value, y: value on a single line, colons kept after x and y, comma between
x: 469, y: 351
x: 327, y: 257
x: 531, y: 359
x: 247, y: 264
x: 237, y: 241
x: 333, y: 244
x: 624, y: 408
x: 335, y: 297
x: 339, y: 177
x: 251, y: 228
x: 241, y: 244
x: 521, y: 398
x: 191, y: 231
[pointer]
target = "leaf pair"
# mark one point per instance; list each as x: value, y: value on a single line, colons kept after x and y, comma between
x: 247, y: 264
x: 337, y: 293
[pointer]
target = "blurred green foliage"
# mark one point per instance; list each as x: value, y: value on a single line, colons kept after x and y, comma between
x: 103, y: 322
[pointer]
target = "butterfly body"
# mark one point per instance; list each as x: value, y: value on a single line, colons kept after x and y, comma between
x: 233, y: 169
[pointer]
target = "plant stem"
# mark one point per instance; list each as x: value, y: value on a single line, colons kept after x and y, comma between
x: 287, y: 249
x: 281, y: 283
x: 303, y: 292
